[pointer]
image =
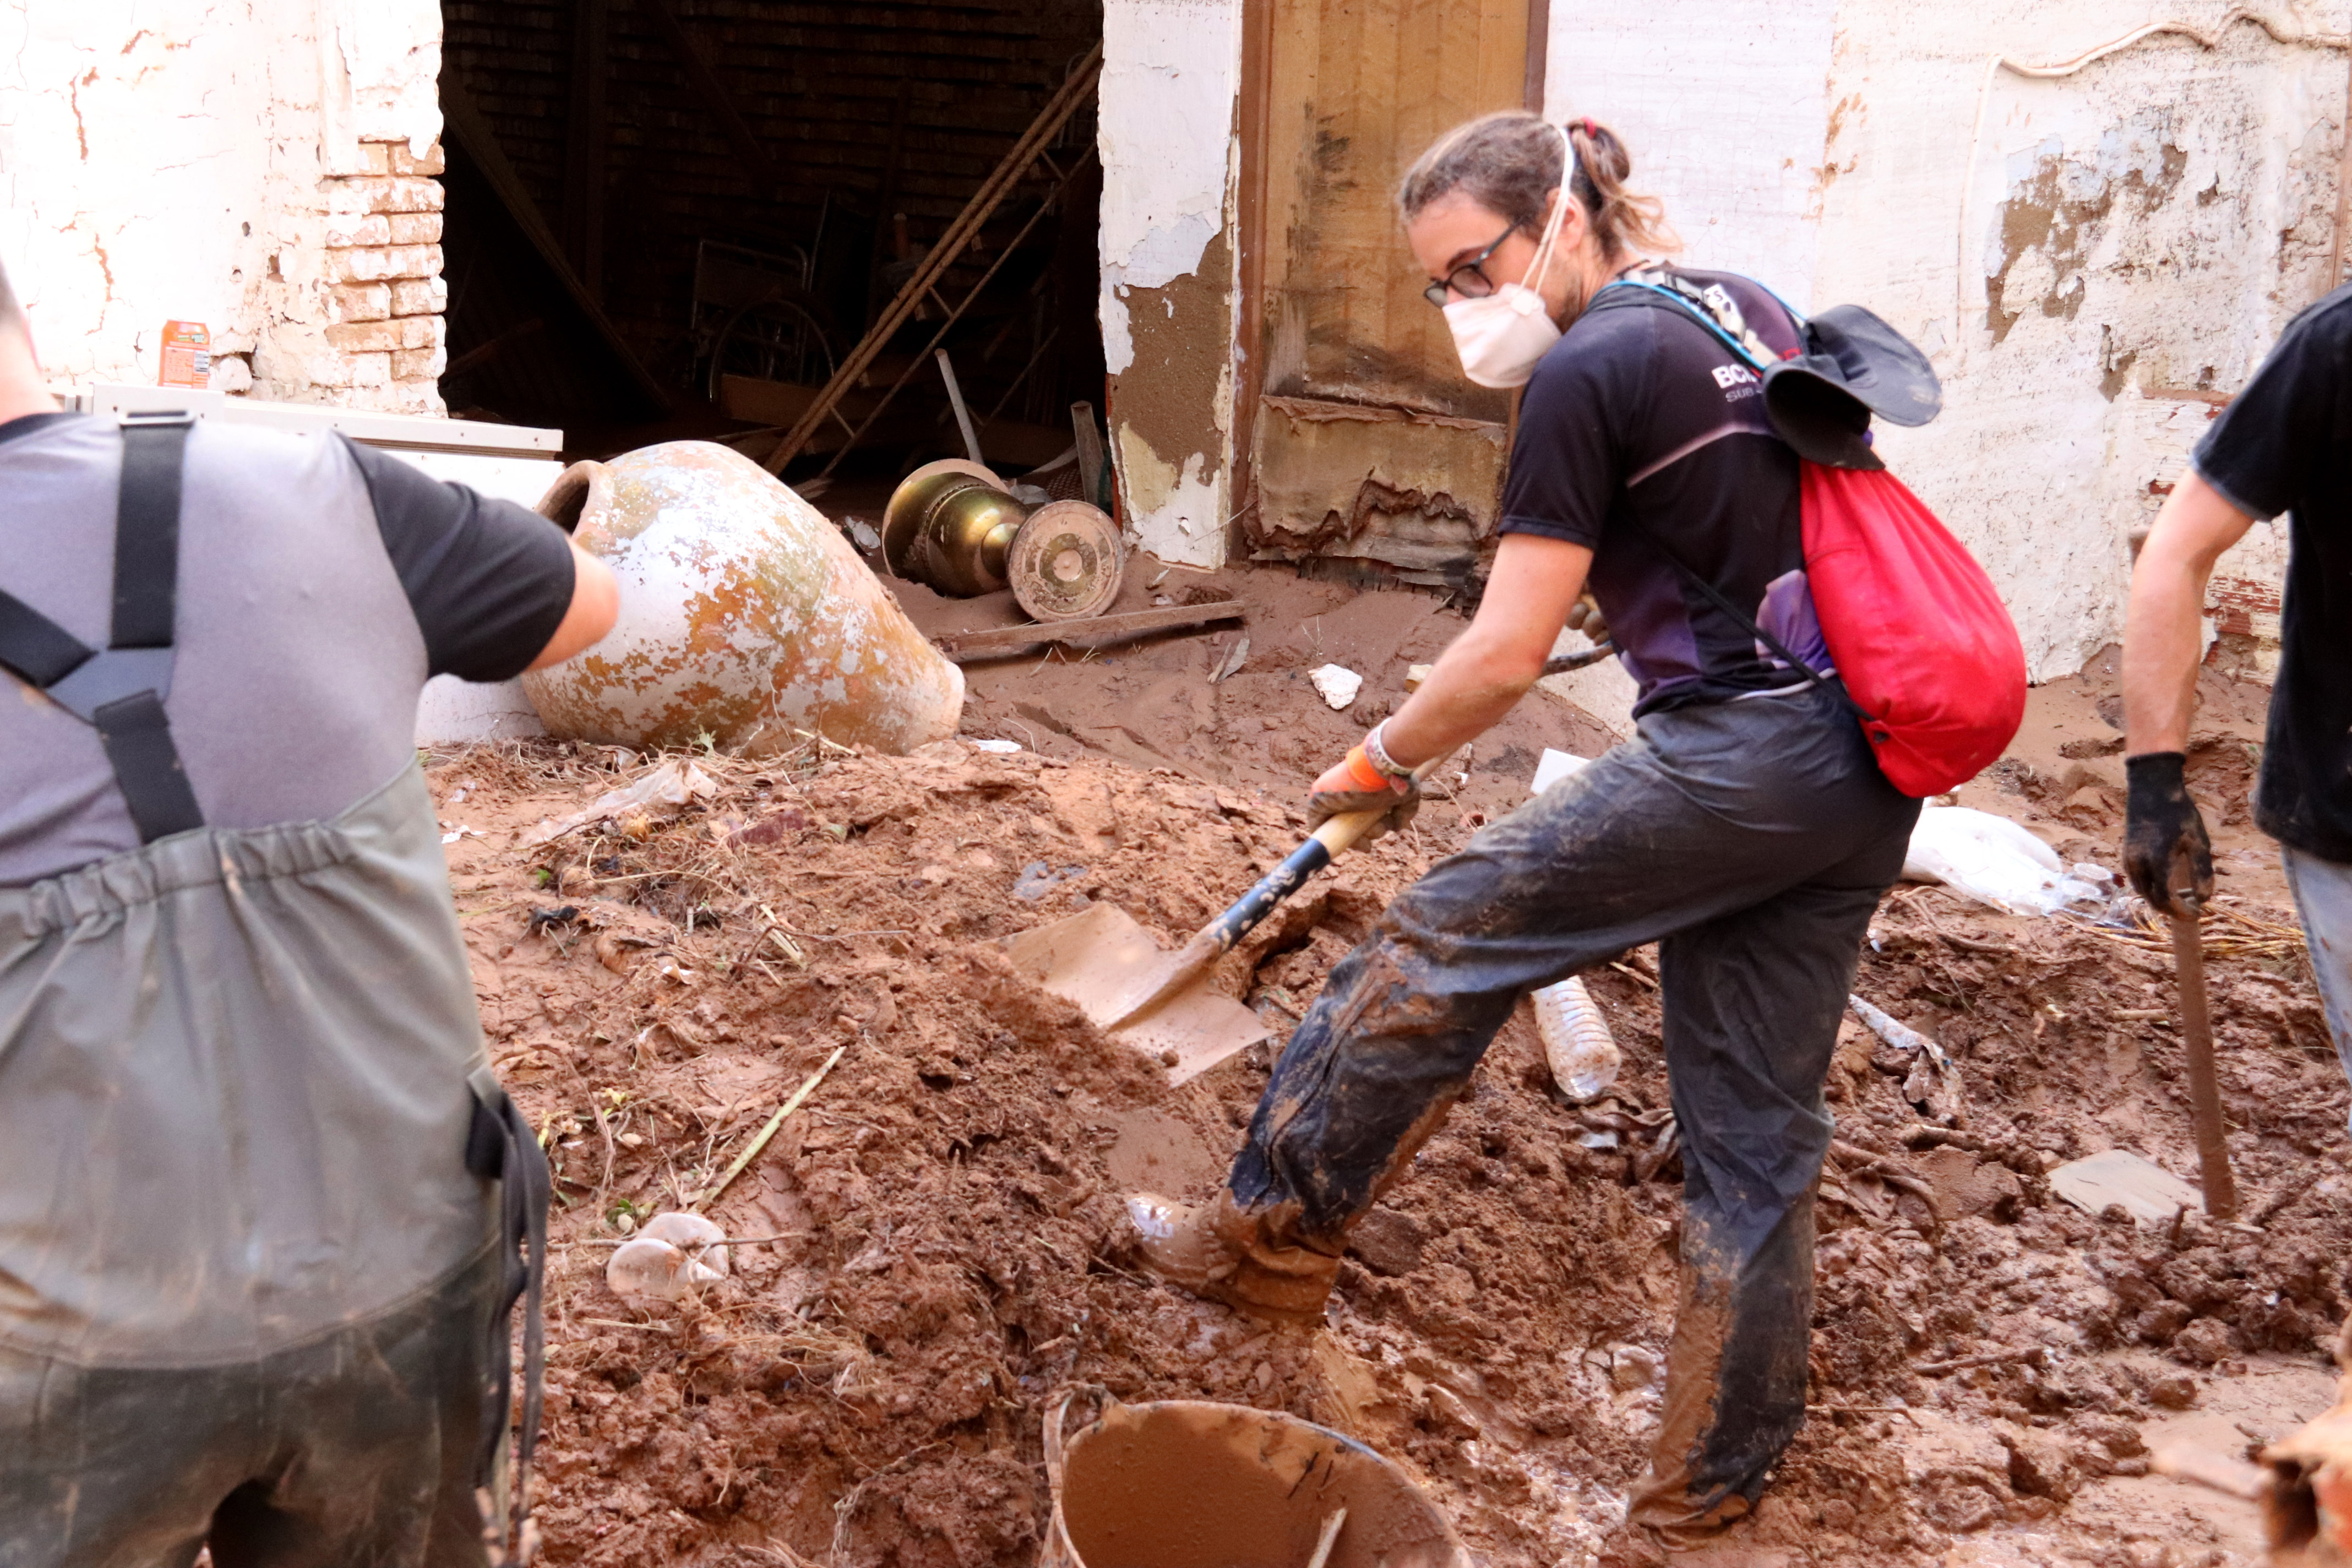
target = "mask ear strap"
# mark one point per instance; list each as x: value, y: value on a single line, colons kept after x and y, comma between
x: 1559, y: 212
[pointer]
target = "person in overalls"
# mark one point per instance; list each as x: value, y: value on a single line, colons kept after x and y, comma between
x: 1745, y: 829
x: 263, y: 1205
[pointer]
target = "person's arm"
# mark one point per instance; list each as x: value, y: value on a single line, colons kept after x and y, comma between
x: 2163, y: 625
x: 1475, y: 681
x: 595, y: 605
x: 2166, y: 850
x: 1486, y: 670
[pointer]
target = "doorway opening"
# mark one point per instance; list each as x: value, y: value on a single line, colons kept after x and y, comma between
x: 675, y: 219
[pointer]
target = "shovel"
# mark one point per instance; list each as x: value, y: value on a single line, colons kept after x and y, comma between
x: 1153, y: 1000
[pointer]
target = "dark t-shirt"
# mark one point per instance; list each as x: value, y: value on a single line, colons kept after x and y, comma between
x: 1643, y: 431
x: 2285, y: 445
x: 319, y: 585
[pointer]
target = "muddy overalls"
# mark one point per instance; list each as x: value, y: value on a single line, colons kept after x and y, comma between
x: 259, y: 1240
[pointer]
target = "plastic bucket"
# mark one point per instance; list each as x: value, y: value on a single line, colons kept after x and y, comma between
x: 1185, y: 1483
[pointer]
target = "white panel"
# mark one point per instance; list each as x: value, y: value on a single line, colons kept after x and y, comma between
x: 1724, y: 105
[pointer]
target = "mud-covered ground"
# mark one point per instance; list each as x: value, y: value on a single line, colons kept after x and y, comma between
x: 1990, y: 1366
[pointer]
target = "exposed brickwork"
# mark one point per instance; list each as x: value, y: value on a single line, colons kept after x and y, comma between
x: 386, y: 299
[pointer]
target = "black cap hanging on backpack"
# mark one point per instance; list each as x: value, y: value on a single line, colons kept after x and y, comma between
x: 1854, y: 365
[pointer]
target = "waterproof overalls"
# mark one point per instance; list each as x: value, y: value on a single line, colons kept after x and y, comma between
x: 260, y: 1195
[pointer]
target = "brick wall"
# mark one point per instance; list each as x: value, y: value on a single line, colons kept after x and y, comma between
x: 386, y: 296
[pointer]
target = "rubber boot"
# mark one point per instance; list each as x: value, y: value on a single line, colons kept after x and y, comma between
x: 1242, y: 1258
x: 1664, y: 1503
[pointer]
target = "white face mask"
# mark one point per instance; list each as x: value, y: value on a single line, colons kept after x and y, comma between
x: 1501, y: 337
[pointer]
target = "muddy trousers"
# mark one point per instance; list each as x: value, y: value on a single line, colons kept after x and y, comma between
x: 1751, y: 840
x: 355, y: 1451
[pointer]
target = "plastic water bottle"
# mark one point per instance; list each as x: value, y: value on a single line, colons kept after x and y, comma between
x: 1584, y: 1058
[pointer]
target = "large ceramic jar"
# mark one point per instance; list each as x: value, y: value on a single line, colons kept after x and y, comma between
x: 746, y: 618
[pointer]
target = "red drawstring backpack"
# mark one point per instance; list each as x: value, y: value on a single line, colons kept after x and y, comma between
x: 1926, y: 650
x: 1930, y: 660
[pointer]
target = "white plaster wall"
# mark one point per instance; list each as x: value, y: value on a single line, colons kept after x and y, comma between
x: 1724, y: 105
x: 163, y: 159
x: 1171, y: 72
x: 2190, y: 196
x: 1832, y: 149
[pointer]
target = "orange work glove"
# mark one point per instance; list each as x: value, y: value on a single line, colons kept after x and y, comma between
x: 1356, y: 785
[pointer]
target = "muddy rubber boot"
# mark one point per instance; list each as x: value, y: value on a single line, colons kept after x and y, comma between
x: 1669, y: 1503
x: 1224, y: 1253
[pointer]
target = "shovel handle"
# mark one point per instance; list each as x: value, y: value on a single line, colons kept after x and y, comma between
x: 1217, y: 938
x: 2204, y: 1084
x: 1323, y: 846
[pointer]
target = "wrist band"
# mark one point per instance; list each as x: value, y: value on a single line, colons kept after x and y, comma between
x: 1377, y: 754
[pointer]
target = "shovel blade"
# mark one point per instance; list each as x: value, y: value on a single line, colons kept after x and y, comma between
x: 1101, y: 959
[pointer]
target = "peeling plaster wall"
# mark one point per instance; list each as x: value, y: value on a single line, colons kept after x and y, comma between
x: 263, y: 167
x: 2093, y: 274
x: 1172, y: 71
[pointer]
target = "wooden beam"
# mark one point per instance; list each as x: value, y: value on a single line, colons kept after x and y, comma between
x: 1538, y: 54
x: 951, y: 246
x: 586, y: 137
x: 712, y: 92
x: 960, y: 646
x: 474, y: 138
x: 1250, y: 198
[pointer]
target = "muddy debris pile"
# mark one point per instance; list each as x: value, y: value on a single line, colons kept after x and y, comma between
x: 932, y: 1246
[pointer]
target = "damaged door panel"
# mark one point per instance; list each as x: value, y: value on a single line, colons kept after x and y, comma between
x: 1416, y: 493
x: 1371, y: 444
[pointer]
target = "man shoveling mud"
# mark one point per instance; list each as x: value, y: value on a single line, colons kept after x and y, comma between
x: 1747, y: 830
x: 2285, y: 444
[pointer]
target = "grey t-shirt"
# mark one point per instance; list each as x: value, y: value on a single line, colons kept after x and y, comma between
x: 319, y: 585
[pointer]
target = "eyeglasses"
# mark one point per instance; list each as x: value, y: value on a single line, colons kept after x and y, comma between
x: 1469, y: 280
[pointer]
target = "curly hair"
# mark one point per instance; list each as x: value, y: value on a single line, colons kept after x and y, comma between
x: 1510, y: 162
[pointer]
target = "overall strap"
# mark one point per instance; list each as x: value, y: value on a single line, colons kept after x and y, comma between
x: 119, y: 689
x: 501, y: 1147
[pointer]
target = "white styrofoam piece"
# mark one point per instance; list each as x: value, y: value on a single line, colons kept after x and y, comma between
x: 2147, y: 1191
x: 1337, y: 683
x: 1556, y: 766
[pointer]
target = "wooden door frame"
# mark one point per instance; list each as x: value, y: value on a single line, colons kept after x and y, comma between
x: 1251, y: 127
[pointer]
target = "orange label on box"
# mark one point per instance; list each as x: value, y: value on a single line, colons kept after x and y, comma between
x: 187, y: 355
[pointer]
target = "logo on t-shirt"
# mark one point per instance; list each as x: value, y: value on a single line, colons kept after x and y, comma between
x: 1737, y: 382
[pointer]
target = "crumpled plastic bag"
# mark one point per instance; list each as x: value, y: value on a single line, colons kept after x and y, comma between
x: 1996, y: 861
x: 673, y: 1255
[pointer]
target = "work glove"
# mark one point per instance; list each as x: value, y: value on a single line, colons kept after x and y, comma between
x: 1357, y: 784
x: 2164, y: 847
x: 1584, y: 615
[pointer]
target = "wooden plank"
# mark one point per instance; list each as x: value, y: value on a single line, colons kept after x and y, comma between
x: 1538, y: 52
x: 474, y: 136
x: 1252, y: 131
x: 712, y: 92
x: 951, y: 245
x: 960, y: 646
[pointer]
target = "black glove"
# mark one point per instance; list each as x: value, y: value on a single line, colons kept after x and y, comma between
x: 2164, y: 847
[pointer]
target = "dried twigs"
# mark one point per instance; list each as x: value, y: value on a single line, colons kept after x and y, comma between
x: 751, y: 1150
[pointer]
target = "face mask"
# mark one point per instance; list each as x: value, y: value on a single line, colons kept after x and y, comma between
x: 1501, y: 337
